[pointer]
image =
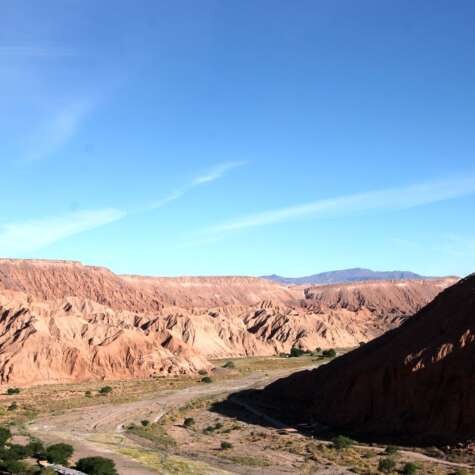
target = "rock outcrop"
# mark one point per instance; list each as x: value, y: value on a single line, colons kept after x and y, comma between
x: 414, y: 383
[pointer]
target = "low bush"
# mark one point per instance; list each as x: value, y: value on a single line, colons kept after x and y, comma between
x: 341, y: 442
x: 145, y: 422
x: 88, y: 394
x: 410, y: 469
x: 13, y: 406
x: 59, y: 453
x: 105, y: 390
x: 391, y: 450
x: 188, y: 422
x: 331, y: 353
x: 226, y: 445
x: 11, y: 391
x: 202, y: 372
x: 96, y: 466
x: 229, y: 365
x: 386, y: 465
x: 5, y: 434
x: 206, y: 380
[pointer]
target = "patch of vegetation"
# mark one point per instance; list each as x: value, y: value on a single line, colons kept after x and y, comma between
x: 96, y: 466
x: 189, y: 422
x: 247, y: 460
x: 145, y: 422
x: 386, y: 465
x: 226, y: 445
x: 11, y: 391
x: 105, y: 390
x: 410, y: 469
x: 341, y: 442
x: 88, y: 394
x: 59, y: 453
x: 202, y: 372
x: 206, y: 380
x: 296, y: 352
x: 229, y: 365
x: 391, y: 450
x: 331, y: 353
x: 154, y: 433
x: 12, y: 407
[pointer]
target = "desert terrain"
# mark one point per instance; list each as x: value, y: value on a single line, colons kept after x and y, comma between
x: 158, y: 374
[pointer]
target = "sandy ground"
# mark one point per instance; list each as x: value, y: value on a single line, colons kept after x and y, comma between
x: 98, y: 431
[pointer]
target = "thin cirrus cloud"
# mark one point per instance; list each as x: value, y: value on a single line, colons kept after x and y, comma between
x: 26, y: 236
x: 398, y: 198
x: 214, y: 173
x: 57, y: 131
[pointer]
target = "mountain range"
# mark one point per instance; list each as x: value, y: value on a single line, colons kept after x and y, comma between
x: 356, y: 274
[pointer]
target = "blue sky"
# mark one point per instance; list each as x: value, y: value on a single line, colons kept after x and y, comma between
x: 225, y: 137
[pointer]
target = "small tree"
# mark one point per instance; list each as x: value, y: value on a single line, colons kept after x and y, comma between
x: 386, y: 465
x: 391, y: 450
x: 145, y: 422
x: 105, y: 390
x: 331, y: 353
x: 188, y: 422
x: 410, y: 469
x: 96, y: 466
x: 59, y: 453
x: 341, y: 442
x: 11, y: 391
x: 226, y: 445
x: 15, y: 466
x: 206, y: 380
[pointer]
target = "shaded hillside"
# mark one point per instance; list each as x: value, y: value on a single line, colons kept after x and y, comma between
x: 413, y: 383
x: 344, y: 276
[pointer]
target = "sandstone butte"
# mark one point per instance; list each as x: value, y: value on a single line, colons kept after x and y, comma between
x: 412, y: 384
x: 63, y: 321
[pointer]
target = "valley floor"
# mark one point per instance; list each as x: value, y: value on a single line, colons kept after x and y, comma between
x: 184, y: 426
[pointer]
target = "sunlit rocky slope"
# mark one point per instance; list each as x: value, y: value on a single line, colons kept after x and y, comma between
x: 63, y: 321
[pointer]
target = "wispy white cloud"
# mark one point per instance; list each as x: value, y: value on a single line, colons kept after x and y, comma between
x: 25, y: 236
x: 57, y: 131
x: 387, y: 199
x: 214, y: 173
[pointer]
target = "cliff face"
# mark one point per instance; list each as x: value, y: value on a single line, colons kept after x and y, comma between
x: 64, y: 321
x: 76, y: 340
x: 416, y: 380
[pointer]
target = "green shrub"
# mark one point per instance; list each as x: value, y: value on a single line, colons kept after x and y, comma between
x: 460, y: 471
x: 386, y: 465
x: 209, y: 430
x: 188, y: 422
x: 5, y: 434
x: 59, y: 453
x: 296, y: 352
x: 88, y: 394
x: 229, y: 365
x: 391, y: 450
x: 96, y: 466
x: 341, y: 442
x: 35, y: 447
x: 206, y: 380
x: 11, y: 391
x: 331, y: 353
x: 13, y: 406
x: 226, y: 445
x: 14, y: 467
x: 105, y: 390
x: 218, y: 425
x: 410, y: 469
x: 145, y: 422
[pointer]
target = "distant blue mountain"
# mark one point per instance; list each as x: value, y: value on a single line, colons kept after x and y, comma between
x: 346, y: 275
